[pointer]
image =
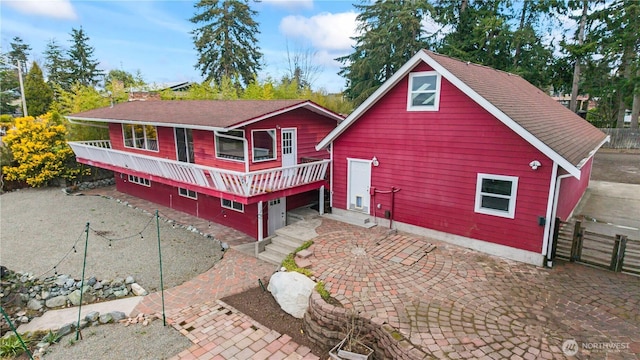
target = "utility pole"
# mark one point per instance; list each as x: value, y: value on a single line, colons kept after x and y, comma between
x: 24, y: 101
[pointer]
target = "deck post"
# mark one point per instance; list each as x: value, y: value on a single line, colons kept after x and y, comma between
x: 260, y: 226
x: 321, y: 205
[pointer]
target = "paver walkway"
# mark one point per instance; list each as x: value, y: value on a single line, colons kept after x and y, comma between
x: 457, y: 303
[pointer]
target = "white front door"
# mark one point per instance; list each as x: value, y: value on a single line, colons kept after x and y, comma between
x: 359, y: 181
x: 277, y: 214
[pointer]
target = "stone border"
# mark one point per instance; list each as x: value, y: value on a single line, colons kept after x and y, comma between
x: 326, y: 324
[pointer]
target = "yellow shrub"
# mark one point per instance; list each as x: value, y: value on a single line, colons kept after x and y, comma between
x: 40, y: 151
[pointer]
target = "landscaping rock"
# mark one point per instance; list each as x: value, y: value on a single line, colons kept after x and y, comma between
x: 65, y: 329
x: 138, y: 290
x: 106, y: 318
x: 56, y: 302
x: 74, y: 297
x: 34, y: 304
x: 92, y: 316
x: 291, y: 290
x: 117, y: 315
x: 129, y: 280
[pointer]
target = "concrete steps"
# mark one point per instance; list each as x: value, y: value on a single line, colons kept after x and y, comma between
x: 289, y: 238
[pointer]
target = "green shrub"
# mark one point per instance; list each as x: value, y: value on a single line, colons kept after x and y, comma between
x: 11, y: 347
x: 289, y: 261
x: 324, y: 293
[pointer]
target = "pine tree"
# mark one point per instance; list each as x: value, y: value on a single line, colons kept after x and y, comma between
x: 19, y: 53
x: 9, y: 87
x: 38, y: 95
x: 83, y: 68
x: 56, y: 65
x: 391, y: 33
x: 226, y: 42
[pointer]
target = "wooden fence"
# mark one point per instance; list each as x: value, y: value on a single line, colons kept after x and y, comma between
x: 622, y: 138
x: 616, y: 253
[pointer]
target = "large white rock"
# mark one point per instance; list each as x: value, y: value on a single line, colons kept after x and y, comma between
x: 291, y: 290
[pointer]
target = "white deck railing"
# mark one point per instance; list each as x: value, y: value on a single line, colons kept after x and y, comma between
x: 233, y: 182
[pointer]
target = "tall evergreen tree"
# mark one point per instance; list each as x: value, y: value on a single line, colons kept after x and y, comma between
x: 391, y: 33
x: 56, y: 65
x: 38, y: 95
x: 9, y: 86
x: 615, y: 29
x: 83, y: 68
x: 226, y: 42
x: 19, y: 53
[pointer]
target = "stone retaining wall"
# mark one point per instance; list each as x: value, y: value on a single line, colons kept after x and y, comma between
x: 327, y: 324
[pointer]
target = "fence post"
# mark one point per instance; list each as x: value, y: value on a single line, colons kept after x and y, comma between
x: 576, y: 242
x: 621, y: 246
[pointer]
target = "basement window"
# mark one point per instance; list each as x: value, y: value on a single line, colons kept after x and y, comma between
x: 188, y: 193
x: 232, y: 205
x: 496, y: 195
x: 139, y: 180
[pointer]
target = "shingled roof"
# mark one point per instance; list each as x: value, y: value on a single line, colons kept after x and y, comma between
x: 553, y: 129
x: 202, y: 114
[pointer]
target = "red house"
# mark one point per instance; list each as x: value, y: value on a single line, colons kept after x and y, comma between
x: 241, y: 163
x: 465, y: 154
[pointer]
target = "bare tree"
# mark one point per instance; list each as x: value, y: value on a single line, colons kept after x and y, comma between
x: 300, y: 66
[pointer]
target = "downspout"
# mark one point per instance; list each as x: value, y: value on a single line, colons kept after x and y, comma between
x: 553, y: 216
x: 331, y: 176
x: 260, y: 227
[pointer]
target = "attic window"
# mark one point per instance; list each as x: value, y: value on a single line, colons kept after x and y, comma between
x: 424, y: 91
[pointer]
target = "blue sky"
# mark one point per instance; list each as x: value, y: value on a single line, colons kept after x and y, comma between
x: 153, y: 36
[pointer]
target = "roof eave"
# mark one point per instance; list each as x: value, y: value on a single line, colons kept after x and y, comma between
x: 137, y: 122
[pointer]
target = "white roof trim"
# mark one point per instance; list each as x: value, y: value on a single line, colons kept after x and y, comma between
x: 138, y: 122
x: 424, y: 57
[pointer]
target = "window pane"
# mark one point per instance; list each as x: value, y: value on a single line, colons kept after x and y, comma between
x: 128, y: 135
x: 264, y: 145
x: 499, y: 187
x: 138, y: 131
x: 226, y: 202
x: 152, y: 137
x: 423, y: 99
x: 238, y: 206
x: 230, y: 148
x: 424, y: 83
x: 490, y: 202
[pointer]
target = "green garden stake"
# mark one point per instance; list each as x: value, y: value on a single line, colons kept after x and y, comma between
x: 6, y: 317
x: 261, y: 285
x: 84, y: 266
x: 164, y: 317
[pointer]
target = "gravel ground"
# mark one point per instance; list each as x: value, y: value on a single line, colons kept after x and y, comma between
x: 116, y: 341
x: 38, y: 227
x: 38, y: 230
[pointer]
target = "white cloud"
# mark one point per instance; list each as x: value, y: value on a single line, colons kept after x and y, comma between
x: 291, y: 5
x: 325, y: 31
x: 58, y: 9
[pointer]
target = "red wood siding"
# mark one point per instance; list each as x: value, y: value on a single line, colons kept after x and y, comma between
x: 434, y: 158
x: 166, y: 142
x: 571, y: 191
x: 311, y: 129
x: 206, y: 207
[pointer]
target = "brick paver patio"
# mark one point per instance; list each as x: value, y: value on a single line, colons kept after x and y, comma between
x: 449, y: 301
x: 457, y: 303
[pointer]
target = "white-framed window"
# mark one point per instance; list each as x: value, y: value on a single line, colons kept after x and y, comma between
x: 229, y: 145
x: 496, y: 195
x: 139, y: 180
x: 424, y: 91
x: 188, y: 193
x: 233, y: 205
x: 263, y: 143
x: 143, y: 137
